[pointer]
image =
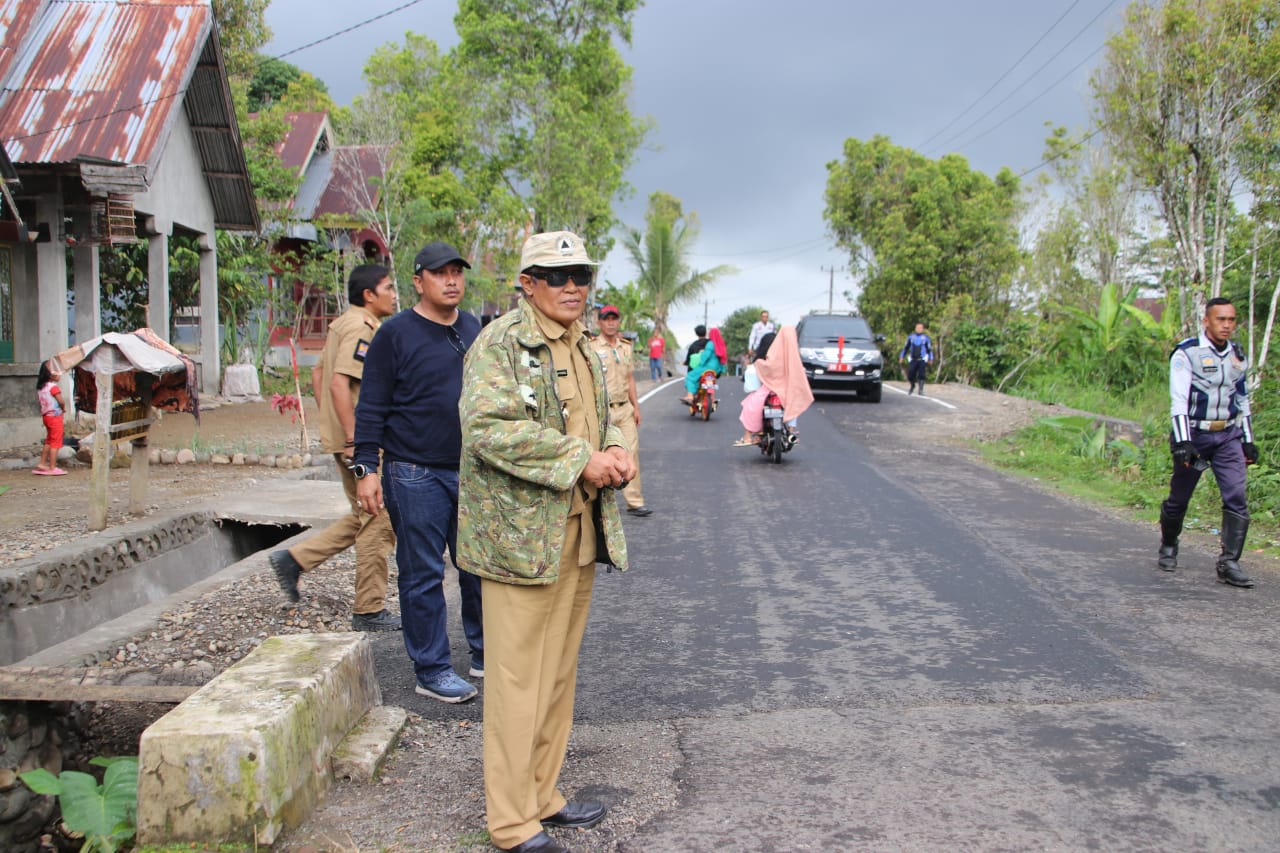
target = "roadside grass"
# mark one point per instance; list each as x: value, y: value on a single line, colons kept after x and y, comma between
x: 1072, y: 456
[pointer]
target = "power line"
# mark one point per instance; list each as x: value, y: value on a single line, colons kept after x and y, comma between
x: 1033, y: 75
x: 351, y: 28
x: 999, y: 79
x: 1023, y: 108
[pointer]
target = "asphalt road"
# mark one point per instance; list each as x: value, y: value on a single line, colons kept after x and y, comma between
x: 882, y: 646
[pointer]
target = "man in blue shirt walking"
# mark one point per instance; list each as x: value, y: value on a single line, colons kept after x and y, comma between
x: 920, y: 350
x: 409, y: 410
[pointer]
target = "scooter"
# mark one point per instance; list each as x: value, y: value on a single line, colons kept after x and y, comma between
x: 704, y: 401
x: 776, y: 438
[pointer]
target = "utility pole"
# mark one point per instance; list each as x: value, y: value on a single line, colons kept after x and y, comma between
x: 831, y: 288
x: 706, y: 308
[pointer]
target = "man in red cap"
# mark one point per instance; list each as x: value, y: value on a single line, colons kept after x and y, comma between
x: 620, y: 384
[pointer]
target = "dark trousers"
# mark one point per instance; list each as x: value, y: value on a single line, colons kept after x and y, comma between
x: 423, y: 505
x: 915, y: 371
x: 1225, y: 454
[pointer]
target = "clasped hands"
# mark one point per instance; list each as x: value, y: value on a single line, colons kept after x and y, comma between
x: 612, y: 467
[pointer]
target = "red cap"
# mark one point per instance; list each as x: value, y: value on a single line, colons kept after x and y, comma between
x: 610, y: 309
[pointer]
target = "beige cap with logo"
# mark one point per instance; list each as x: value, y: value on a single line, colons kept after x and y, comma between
x: 554, y: 249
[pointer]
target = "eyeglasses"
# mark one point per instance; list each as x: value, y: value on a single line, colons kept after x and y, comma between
x: 455, y: 340
x: 560, y: 277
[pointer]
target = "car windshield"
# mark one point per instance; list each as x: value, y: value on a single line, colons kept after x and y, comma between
x: 818, y: 330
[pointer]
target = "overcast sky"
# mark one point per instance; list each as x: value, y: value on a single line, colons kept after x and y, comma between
x: 751, y: 100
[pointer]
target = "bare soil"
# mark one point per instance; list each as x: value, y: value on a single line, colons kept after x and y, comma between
x: 55, y: 509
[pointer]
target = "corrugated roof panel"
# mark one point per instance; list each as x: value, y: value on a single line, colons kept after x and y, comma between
x: 300, y: 140
x: 17, y: 17
x: 99, y: 78
x: 352, y: 165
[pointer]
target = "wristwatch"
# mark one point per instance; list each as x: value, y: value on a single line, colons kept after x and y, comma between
x: 360, y: 470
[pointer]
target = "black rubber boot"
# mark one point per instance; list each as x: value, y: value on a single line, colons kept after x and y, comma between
x: 1234, y: 528
x: 1170, y: 530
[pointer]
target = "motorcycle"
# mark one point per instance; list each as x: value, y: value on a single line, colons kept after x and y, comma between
x: 776, y: 438
x: 704, y: 401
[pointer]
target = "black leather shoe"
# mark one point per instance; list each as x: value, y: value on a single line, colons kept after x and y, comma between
x: 540, y: 843
x: 1230, y: 574
x: 582, y: 815
x: 640, y: 511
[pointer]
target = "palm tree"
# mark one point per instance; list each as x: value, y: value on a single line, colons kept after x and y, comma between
x: 660, y: 257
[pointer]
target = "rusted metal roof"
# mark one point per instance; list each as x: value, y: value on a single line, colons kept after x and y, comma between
x: 101, y: 80
x: 16, y: 20
x: 306, y: 132
x: 353, y: 188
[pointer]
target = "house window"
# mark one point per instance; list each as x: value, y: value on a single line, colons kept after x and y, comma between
x: 6, y: 306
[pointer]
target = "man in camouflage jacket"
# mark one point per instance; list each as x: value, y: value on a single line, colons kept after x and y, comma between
x: 536, y: 512
x: 518, y: 466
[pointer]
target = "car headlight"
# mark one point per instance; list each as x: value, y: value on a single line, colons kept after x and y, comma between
x: 809, y: 354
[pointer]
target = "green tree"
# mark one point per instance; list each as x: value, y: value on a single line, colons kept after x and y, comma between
x: 633, y: 305
x: 271, y: 79
x: 736, y: 329
x: 921, y: 231
x: 1100, y: 197
x: 242, y: 31
x: 661, y: 257
x: 1181, y: 88
x: 546, y: 99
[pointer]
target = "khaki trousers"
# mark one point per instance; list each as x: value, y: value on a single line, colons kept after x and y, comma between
x: 531, y: 639
x: 623, y: 417
x: 371, y: 534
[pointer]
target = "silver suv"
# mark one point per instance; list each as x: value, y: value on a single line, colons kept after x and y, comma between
x: 840, y: 355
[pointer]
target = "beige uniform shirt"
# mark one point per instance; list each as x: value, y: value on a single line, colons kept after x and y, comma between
x: 344, y: 350
x: 577, y: 397
x: 616, y: 360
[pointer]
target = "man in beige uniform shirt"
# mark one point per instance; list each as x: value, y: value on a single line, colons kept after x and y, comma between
x: 535, y: 514
x: 336, y: 380
x: 624, y: 408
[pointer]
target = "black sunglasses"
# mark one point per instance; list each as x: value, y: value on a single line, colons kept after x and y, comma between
x: 560, y: 277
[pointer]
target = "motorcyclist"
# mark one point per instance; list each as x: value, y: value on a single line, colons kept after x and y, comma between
x: 779, y: 370
x: 713, y: 356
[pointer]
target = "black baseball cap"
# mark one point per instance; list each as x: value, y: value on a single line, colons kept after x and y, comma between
x: 435, y: 255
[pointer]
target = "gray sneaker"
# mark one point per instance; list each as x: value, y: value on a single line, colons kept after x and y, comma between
x: 383, y: 620
x: 287, y: 572
x: 477, y: 667
x: 448, y: 686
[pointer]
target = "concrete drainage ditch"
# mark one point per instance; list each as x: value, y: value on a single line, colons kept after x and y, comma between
x: 70, y: 591
x: 53, y: 604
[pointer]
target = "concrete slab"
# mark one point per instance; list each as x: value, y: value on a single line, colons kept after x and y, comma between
x: 360, y: 756
x: 311, y: 501
x: 249, y: 753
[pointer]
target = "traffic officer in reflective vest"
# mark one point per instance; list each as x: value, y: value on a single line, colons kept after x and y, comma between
x: 624, y: 409
x: 1211, y: 428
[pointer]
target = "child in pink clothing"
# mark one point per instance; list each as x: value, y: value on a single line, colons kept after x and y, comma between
x: 50, y: 397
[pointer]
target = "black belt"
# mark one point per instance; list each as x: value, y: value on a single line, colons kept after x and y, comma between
x: 623, y: 403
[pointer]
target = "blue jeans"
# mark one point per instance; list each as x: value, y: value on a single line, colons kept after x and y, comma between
x: 655, y: 369
x: 423, y: 505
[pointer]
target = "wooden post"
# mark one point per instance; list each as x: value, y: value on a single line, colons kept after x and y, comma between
x: 139, y: 466
x: 297, y: 390
x: 98, y: 478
